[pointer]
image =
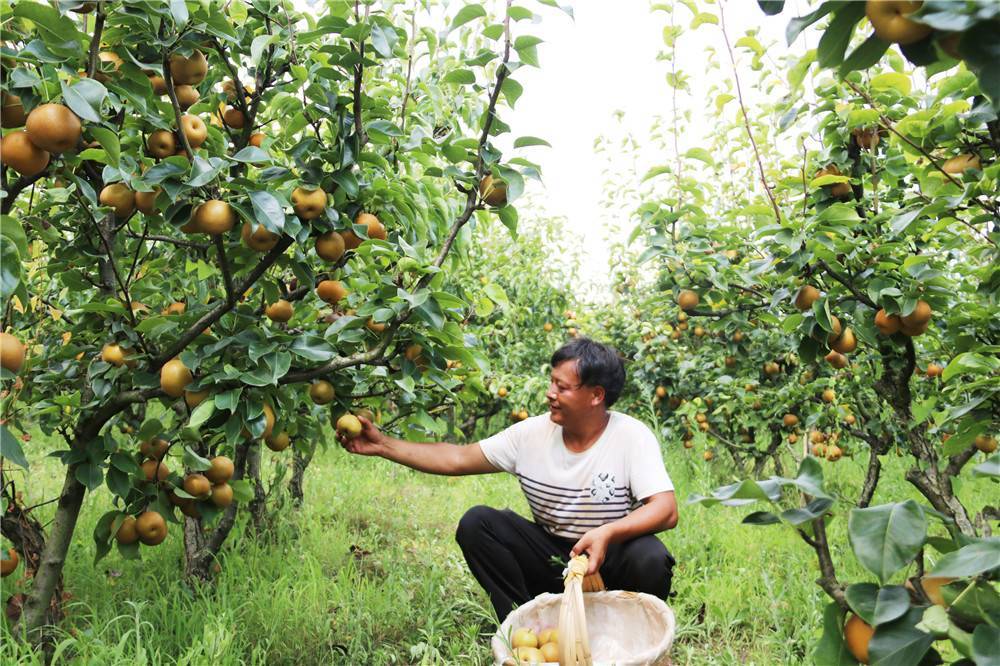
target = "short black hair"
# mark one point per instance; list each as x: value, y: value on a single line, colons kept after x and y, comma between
x: 596, y: 363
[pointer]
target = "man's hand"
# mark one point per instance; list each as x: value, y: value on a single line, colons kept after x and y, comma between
x: 595, y: 544
x: 370, y: 442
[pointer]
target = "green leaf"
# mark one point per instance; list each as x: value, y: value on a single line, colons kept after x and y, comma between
x: 981, y: 51
x: 704, y: 17
x: 702, y: 155
x: 59, y: 33
x: 865, y: 55
x: 201, y: 413
x: 84, y: 98
x: 935, y: 621
x: 892, y: 602
x: 985, y: 642
x: 242, y: 491
x: 384, y: 39
x: 810, y: 478
x: 989, y: 468
x: 10, y: 448
x: 109, y: 141
x: 761, y: 518
x: 496, y: 293
x: 526, y: 51
x: 191, y: 458
x: 816, y: 508
x: 798, y: 24
x: 970, y: 560
x: 511, y: 90
x: 89, y: 474
x: 14, y: 232
x: 831, y: 650
x: 862, y: 598
x: 737, y: 494
x: 103, y: 535
x: 150, y: 429
x: 771, y: 7
x: 261, y: 42
x: 205, y: 171
x: 974, y: 603
x: 179, y: 12
x: 251, y: 155
x: 885, y: 538
x: 526, y: 141
x: 837, y: 35
x: 267, y: 210
x: 466, y: 14
x: 312, y: 347
x: 460, y: 76
x: 970, y: 362
x: 900, y: 643
x: 10, y: 267
x: 892, y: 80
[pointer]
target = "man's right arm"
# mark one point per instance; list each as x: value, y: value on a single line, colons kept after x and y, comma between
x: 433, y: 458
x: 439, y: 457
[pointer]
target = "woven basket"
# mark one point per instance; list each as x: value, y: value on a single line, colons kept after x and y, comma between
x: 598, y: 628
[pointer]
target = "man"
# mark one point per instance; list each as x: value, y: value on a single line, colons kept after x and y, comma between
x: 594, y: 479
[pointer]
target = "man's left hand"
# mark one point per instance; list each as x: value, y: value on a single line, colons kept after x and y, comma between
x: 595, y: 544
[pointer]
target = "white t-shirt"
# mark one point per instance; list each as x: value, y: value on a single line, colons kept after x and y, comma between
x: 572, y: 493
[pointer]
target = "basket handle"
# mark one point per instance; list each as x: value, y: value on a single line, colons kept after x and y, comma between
x: 574, y: 644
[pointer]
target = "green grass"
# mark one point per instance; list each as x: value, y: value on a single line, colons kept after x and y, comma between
x: 744, y: 594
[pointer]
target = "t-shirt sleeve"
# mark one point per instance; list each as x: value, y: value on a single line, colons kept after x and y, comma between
x: 501, y: 449
x: 647, y: 473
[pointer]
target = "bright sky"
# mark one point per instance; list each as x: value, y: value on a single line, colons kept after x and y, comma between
x: 602, y: 62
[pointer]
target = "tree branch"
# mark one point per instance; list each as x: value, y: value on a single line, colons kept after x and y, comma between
x: 172, y: 94
x: 10, y: 196
x: 220, y: 246
x: 168, y: 239
x: 359, y: 70
x: 842, y: 279
x: 114, y: 267
x: 746, y: 118
x: 223, y: 307
x: 871, y: 479
x: 93, y: 60
x: 727, y: 312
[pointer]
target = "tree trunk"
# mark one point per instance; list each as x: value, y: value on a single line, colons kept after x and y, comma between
x: 894, y: 387
x: 194, y: 542
x: 300, y: 462
x: 28, y: 537
x: 48, y: 577
x: 258, y: 515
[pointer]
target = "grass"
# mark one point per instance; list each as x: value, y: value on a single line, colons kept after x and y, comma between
x: 368, y: 572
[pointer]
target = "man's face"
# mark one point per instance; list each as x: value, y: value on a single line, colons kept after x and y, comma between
x: 568, y: 398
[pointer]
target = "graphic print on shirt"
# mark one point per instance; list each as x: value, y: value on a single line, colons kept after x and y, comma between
x: 602, y: 487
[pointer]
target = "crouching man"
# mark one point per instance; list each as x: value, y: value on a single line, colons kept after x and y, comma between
x: 594, y: 479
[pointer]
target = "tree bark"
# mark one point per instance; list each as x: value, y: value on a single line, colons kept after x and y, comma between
x: 258, y: 514
x: 300, y: 462
x: 48, y: 576
x: 28, y: 537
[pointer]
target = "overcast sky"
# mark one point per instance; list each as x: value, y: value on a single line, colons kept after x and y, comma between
x: 603, y: 62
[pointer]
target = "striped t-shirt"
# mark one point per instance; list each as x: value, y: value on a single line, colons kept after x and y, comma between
x: 572, y: 493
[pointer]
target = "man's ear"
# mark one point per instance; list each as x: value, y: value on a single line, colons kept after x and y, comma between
x: 598, y: 396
